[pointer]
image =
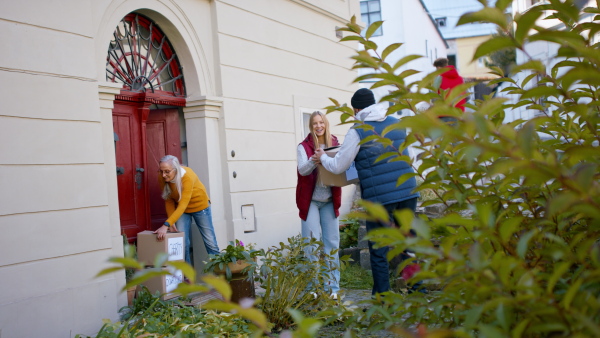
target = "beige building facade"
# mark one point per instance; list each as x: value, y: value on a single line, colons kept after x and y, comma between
x: 469, y: 68
x: 250, y: 71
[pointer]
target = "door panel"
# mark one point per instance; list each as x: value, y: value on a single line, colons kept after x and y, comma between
x: 131, y: 187
x: 162, y: 138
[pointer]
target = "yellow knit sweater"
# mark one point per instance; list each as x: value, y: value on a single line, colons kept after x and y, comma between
x: 193, y: 196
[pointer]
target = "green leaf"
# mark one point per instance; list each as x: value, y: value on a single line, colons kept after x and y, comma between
x: 571, y: 292
x: 490, y: 331
x: 534, y: 65
x: 520, y: 328
x: 540, y: 91
x: 185, y: 289
x: 161, y: 259
x: 503, y: 4
x: 524, y: 243
x: 127, y: 262
x: 406, y: 60
x: 255, y: 316
x: 525, y: 23
x: 508, y: 227
x: 144, y: 275
x: 108, y: 271
x: 487, y: 14
x: 492, y: 45
x: 404, y: 219
x: 369, y: 139
x: 560, y: 37
x: 408, y: 72
x: 389, y: 49
x: 219, y: 284
x: 386, y: 155
x: 375, y: 210
x: 405, y: 177
x: 354, y: 28
x: 559, y: 270
x: 472, y: 316
x: 370, y: 45
x: 525, y: 139
x: 372, y: 28
x: 527, y: 79
x: 353, y: 38
x: 185, y: 268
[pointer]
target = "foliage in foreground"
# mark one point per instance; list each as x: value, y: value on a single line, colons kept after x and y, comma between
x: 285, y: 274
x: 151, y: 317
x: 521, y: 256
x: 349, y: 232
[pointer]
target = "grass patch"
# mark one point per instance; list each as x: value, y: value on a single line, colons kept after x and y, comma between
x: 355, y: 277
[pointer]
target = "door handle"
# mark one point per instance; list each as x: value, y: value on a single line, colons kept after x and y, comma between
x: 120, y: 171
x: 138, y: 177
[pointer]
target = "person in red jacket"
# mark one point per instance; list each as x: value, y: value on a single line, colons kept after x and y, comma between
x: 319, y: 205
x: 446, y: 81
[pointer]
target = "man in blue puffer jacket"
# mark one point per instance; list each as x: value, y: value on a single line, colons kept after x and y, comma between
x: 377, y: 180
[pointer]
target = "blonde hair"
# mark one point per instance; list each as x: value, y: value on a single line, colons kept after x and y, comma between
x: 312, y: 132
x: 166, y: 193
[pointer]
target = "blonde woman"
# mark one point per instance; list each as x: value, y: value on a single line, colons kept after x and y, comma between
x: 319, y: 205
x: 185, y: 197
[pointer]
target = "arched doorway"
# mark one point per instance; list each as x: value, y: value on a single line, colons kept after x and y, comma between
x: 145, y: 117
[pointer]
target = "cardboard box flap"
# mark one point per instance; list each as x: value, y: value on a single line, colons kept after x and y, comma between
x: 148, y: 246
x: 330, y: 179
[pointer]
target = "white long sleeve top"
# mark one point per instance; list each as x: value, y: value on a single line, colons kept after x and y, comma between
x: 306, y: 166
x: 344, y: 157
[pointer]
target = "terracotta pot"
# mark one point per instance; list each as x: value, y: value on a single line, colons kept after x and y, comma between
x: 236, y: 267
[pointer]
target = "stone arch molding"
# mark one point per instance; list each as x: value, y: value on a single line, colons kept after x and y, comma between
x: 199, y: 79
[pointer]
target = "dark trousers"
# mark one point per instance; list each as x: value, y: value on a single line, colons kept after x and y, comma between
x: 379, y: 263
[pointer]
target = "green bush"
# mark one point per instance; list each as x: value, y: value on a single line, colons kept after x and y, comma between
x: 520, y: 256
x: 151, y: 317
x: 285, y: 274
x: 349, y: 232
x: 289, y: 278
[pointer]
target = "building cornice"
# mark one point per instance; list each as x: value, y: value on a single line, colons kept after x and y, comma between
x: 204, y: 107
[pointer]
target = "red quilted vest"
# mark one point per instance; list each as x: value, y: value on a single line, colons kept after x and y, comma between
x: 306, y: 184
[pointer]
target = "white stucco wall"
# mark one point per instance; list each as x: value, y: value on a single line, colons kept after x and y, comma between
x: 56, y: 220
x: 270, y: 71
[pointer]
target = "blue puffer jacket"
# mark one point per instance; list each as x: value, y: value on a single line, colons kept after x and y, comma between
x: 378, y: 180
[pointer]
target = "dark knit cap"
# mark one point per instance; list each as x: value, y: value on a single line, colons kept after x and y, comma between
x: 362, y: 98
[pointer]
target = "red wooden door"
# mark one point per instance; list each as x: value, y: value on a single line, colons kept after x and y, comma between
x: 162, y: 138
x: 130, y: 168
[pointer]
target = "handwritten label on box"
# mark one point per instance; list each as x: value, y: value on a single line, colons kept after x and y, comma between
x: 175, y: 248
x: 172, y: 280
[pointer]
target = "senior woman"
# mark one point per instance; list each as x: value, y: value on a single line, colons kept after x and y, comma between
x: 185, y: 198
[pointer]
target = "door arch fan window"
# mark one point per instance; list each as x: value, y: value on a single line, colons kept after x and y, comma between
x: 141, y: 58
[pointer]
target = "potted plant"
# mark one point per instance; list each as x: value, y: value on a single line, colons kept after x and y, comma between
x: 238, y: 263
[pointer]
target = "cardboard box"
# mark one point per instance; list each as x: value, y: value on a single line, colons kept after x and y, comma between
x: 148, y: 246
x: 337, y: 180
x: 165, y: 284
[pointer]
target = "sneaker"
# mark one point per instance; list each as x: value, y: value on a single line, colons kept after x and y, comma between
x: 334, y: 296
x: 314, y: 294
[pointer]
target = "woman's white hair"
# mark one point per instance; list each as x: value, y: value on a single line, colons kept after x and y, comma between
x: 177, y: 180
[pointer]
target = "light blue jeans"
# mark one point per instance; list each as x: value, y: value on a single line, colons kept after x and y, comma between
x: 203, y: 220
x: 322, y: 224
